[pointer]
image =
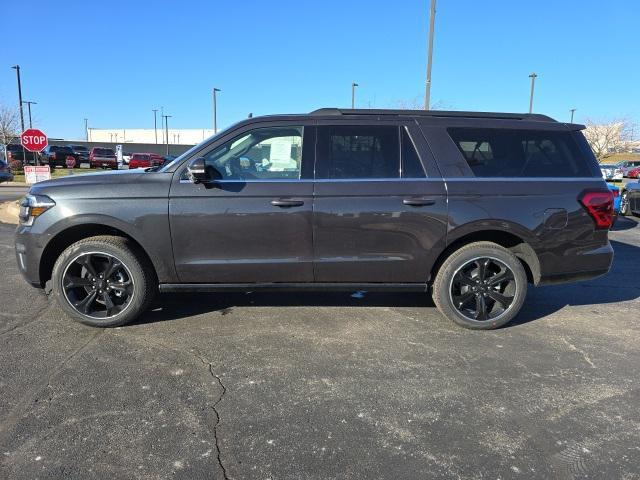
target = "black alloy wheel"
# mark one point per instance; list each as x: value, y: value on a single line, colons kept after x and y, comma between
x: 483, y: 289
x: 98, y: 285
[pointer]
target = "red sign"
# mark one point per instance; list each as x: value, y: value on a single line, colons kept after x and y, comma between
x: 33, y: 140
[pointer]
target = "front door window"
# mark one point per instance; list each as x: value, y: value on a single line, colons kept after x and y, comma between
x: 272, y: 153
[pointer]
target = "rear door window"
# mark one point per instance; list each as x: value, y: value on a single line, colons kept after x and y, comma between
x: 358, y: 152
x: 492, y: 152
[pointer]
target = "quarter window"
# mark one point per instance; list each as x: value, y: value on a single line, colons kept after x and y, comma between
x: 261, y: 154
x: 520, y: 153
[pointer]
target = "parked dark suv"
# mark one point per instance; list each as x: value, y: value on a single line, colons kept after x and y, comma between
x: 473, y: 206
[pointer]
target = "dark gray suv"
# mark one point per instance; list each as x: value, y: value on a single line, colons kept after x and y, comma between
x: 473, y: 206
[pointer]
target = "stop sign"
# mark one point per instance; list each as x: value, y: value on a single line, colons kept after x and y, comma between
x: 33, y: 140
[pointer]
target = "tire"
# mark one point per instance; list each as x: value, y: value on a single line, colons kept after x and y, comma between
x: 460, y: 280
x: 624, y: 204
x: 124, y: 291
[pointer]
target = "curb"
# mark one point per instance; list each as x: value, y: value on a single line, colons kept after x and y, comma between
x: 9, y: 212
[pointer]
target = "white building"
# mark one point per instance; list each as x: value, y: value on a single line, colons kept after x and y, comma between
x: 176, y: 136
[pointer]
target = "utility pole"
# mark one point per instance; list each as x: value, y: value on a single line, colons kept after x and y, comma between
x: 162, y: 122
x: 573, y: 110
x: 215, y: 110
x: 533, y: 85
x: 155, y: 123
x: 86, y: 129
x: 166, y: 126
x: 17, y: 69
x: 28, y: 103
x: 432, y: 21
x: 353, y: 94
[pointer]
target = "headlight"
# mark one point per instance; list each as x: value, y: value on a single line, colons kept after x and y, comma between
x: 33, y: 206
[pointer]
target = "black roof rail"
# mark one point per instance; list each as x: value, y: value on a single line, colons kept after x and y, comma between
x: 432, y: 113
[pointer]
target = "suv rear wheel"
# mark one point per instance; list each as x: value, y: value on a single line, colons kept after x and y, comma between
x: 480, y: 286
x: 103, y: 281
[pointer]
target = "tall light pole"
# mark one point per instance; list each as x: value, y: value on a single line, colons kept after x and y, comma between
x: 432, y: 21
x: 353, y: 94
x: 28, y: 103
x: 215, y: 110
x: 86, y: 129
x: 155, y: 123
x: 162, y: 122
x: 573, y: 110
x: 166, y: 126
x: 17, y: 69
x: 533, y: 86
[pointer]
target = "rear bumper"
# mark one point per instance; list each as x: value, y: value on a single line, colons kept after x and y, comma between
x: 582, y: 265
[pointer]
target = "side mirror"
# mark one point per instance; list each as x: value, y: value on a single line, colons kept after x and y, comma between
x: 198, y: 171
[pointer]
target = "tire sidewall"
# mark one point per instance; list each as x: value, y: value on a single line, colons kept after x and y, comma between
x: 624, y: 201
x: 457, y: 260
x: 126, y: 257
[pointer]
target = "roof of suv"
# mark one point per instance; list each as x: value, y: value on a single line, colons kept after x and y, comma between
x: 432, y: 113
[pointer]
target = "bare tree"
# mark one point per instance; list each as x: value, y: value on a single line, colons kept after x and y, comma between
x: 8, y: 124
x: 417, y: 103
x: 608, y: 137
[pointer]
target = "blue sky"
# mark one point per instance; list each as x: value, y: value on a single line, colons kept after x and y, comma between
x: 112, y: 62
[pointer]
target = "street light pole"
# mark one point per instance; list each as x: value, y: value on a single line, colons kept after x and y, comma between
x: 533, y: 84
x: 155, y: 123
x: 573, y: 110
x: 162, y: 122
x: 29, y: 109
x: 215, y: 110
x: 17, y: 69
x: 432, y: 21
x: 166, y: 126
x: 353, y: 94
x: 86, y: 129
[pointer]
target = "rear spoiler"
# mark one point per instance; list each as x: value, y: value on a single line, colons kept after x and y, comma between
x: 575, y: 127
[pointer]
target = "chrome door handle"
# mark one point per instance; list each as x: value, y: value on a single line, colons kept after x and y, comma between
x: 419, y: 202
x: 287, y: 203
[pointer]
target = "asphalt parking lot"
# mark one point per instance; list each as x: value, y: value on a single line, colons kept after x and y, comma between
x: 302, y: 386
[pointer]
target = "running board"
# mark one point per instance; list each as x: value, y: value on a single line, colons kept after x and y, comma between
x: 283, y: 287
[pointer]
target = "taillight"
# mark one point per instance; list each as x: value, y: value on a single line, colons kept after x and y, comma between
x: 9, y: 155
x: 600, y: 206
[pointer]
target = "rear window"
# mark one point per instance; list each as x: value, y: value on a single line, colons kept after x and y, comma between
x: 491, y: 152
x: 79, y: 148
x: 104, y: 151
x: 140, y: 156
x: 64, y: 149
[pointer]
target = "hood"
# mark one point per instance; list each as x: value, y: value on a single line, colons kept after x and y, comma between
x: 98, y: 178
x: 117, y: 184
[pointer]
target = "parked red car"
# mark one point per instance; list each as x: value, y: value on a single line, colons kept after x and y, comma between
x: 634, y: 172
x: 103, y: 158
x: 145, y: 160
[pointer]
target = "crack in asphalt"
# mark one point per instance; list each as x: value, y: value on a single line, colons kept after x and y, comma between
x: 17, y: 413
x: 214, y: 407
x: 195, y: 353
x: 36, y: 316
x: 573, y: 348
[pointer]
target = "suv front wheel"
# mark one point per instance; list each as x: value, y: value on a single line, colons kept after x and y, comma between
x: 103, y: 281
x: 480, y: 286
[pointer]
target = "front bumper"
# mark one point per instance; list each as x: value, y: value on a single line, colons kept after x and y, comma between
x: 29, y: 247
